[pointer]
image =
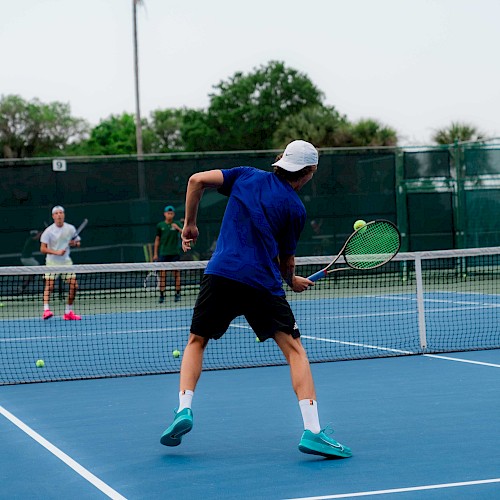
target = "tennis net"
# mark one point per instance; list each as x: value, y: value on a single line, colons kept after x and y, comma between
x: 420, y: 302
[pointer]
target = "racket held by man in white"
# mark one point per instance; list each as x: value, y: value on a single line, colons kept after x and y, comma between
x: 81, y: 227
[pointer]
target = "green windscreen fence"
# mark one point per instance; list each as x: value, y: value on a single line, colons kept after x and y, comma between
x: 482, y: 196
x: 122, y: 219
x: 440, y: 198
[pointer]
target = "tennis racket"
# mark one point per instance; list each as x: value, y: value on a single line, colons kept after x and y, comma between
x: 81, y: 227
x: 151, y: 280
x: 370, y: 246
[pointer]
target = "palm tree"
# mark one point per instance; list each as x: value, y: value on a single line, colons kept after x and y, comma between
x: 457, y: 131
x: 368, y: 132
x: 324, y: 126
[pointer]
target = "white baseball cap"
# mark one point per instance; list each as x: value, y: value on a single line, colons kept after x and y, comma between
x: 297, y: 155
x: 57, y: 208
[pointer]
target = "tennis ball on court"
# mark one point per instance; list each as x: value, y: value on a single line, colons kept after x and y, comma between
x: 1, y: 304
x: 257, y: 339
x: 359, y: 225
x: 176, y: 353
x: 40, y: 363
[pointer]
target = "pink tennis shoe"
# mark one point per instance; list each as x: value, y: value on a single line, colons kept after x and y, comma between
x: 71, y: 316
x: 47, y: 314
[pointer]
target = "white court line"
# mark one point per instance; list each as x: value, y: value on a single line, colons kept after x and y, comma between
x: 356, y: 344
x: 443, y: 301
x: 87, y: 475
x: 362, y: 315
x: 461, y: 360
x: 379, y: 348
x: 94, y: 334
x: 403, y: 313
x: 402, y: 490
x: 244, y: 327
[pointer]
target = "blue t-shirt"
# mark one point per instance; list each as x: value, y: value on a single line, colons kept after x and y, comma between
x: 263, y: 220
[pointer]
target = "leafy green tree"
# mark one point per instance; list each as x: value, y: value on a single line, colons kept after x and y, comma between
x: 114, y: 136
x: 369, y: 132
x: 198, y: 134
x: 245, y: 111
x: 32, y: 128
x: 166, y: 129
x: 323, y: 126
x: 457, y: 131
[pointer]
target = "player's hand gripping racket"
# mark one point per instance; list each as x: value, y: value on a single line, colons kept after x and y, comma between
x: 81, y: 227
x: 371, y: 246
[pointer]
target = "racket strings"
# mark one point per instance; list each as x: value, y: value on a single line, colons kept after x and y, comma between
x: 372, y: 246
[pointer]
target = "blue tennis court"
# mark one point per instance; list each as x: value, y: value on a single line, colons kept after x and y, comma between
x: 419, y: 423
x: 142, y: 342
x: 406, y: 364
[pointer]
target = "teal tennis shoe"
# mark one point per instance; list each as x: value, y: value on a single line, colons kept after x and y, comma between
x: 182, y: 424
x: 322, y: 444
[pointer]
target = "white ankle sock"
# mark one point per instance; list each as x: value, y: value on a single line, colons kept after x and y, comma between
x: 46, y: 307
x: 309, y: 410
x: 185, y: 399
x: 68, y: 309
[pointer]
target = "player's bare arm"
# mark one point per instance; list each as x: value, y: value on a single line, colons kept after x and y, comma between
x: 287, y: 268
x: 156, y: 247
x: 196, y: 186
x: 46, y: 250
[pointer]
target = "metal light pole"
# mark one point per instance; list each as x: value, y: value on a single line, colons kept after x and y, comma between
x: 138, y: 127
x: 141, y: 174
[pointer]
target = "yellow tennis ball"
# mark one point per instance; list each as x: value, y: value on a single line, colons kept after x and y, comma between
x: 40, y: 363
x: 1, y: 304
x: 176, y: 353
x: 359, y: 225
x: 257, y: 339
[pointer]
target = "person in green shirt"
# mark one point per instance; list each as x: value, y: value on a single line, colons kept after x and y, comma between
x: 167, y: 249
x: 32, y: 244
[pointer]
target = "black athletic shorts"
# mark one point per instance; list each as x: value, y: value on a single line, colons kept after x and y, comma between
x: 221, y: 300
x: 169, y: 258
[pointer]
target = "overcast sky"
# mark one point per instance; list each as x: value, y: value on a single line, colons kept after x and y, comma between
x: 415, y: 65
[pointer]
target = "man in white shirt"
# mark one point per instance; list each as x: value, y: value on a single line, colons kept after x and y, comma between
x: 56, y: 241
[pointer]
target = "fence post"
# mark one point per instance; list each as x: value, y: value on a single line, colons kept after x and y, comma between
x: 401, y: 201
x: 457, y: 170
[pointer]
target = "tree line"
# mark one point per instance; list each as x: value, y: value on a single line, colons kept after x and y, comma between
x: 264, y: 109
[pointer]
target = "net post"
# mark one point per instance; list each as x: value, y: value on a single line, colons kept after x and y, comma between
x: 420, y: 303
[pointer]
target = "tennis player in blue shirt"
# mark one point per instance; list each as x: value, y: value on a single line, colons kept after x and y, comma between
x: 255, y: 251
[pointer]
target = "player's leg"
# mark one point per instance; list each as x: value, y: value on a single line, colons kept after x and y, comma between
x: 73, y: 287
x: 314, y: 440
x: 192, y: 362
x: 215, y: 308
x: 47, y: 291
x: 177, y: 276
x: 163, y: 285
x: 300, y: 370
x: 272, y: 316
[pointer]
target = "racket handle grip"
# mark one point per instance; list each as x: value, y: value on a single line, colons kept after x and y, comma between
x: 318, y: 275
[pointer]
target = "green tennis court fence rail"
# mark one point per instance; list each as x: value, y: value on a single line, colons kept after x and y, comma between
x: 439, y: 301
